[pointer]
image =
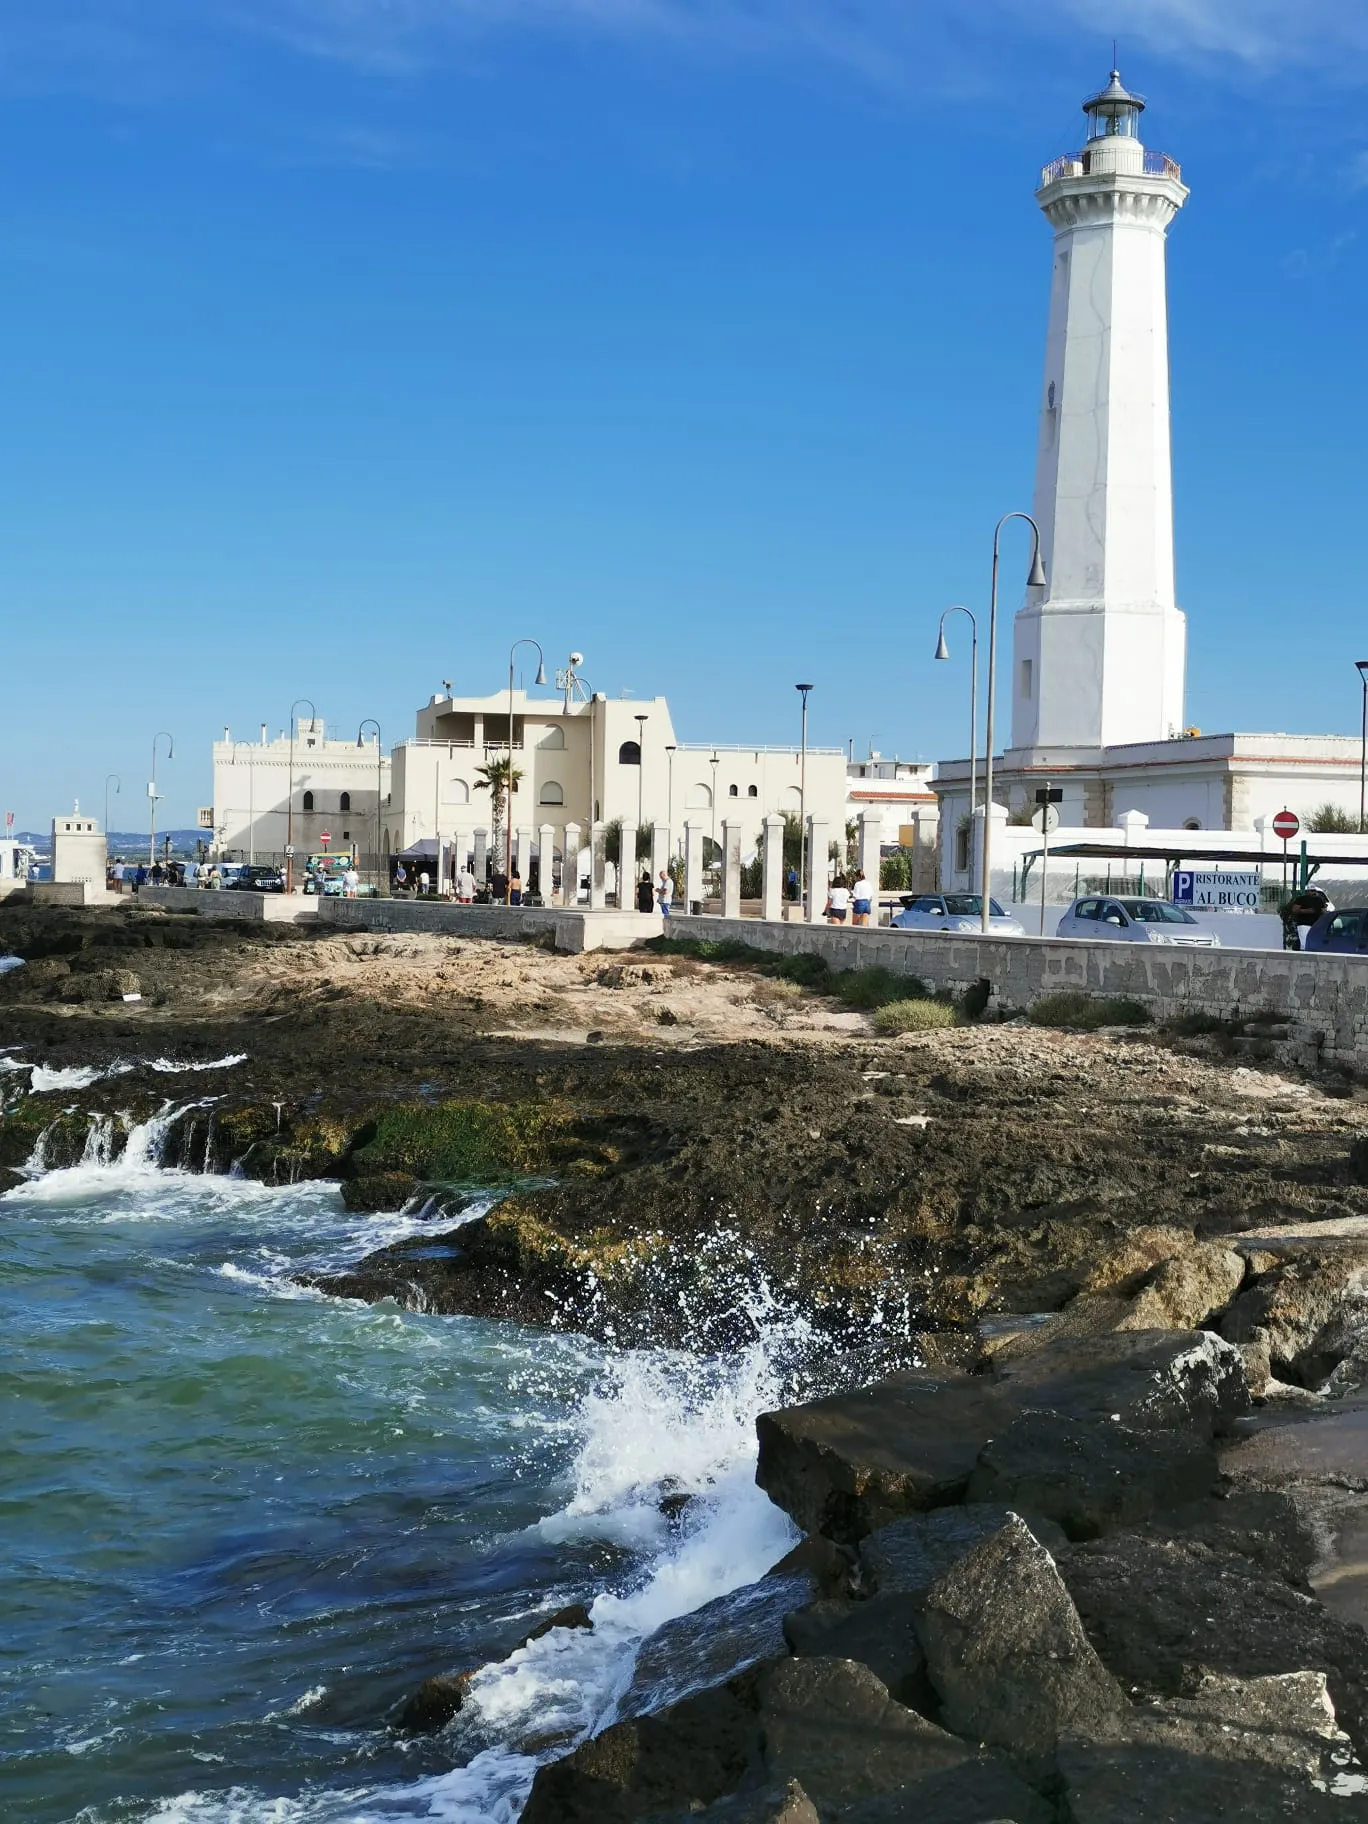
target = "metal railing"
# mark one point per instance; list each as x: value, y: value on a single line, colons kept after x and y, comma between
x: 1076, y: 164
x: 749, y: 747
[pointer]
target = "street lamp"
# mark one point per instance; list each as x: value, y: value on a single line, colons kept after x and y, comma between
x: 370, y: 722
x: 152, y: 795
x: 641, y: 722
x: 1361, y: 666
x: 1035, y: 579
x: 713, y: 764
x: 943, y: 652
x: 508, y: 807
x: 118, y: 787
x: 289, y: 793
x: 803, y: 690
x: 251, y: 806
x: 669, y: 793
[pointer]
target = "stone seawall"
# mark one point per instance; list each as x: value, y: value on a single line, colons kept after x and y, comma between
x: 570, y: 931
x: 1316, y: 995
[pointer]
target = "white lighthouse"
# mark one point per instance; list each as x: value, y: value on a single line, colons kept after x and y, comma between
x: 1099, y: 658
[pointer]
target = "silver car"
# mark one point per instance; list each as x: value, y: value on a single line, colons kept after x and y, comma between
x: 1134, y: 921
x: 959, y: 912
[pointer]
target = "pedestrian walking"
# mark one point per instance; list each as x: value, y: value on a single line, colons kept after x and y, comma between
x: 424, y: 881
x: 515, y: 889
x: 861, y: 900
x: 838, y: 901
x: 465, y: 886
x: 351, y: 880
x: 664, y: 892
x: 645, y: 895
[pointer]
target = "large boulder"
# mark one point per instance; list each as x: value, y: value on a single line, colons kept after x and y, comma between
x: 1308, y: 1315
x: 782, y: 1803
x: 1007, y: 1653
x: 907, y: 1556
x: 1091, y: 1475
x: 1162, y: 1611
x: 1149, y: 1380
x: 1186, y: 1290
x: 676, y: 1760
x: 712, y: 1643
x: 1264, y: 1749
x: 846, y: 1465
x: 880, y: 1632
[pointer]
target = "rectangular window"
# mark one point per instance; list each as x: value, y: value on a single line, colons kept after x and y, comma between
x: 1026, y: 680
x: 961, y: 851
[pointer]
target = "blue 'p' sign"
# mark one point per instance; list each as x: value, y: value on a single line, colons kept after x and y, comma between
x: 1182, y: 886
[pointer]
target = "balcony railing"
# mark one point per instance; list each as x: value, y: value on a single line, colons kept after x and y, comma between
x: 1075, y: 164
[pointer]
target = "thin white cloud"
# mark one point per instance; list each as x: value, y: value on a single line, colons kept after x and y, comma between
x: 148, y: 44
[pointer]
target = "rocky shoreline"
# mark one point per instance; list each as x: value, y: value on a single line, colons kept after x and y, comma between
x: 1087, y: 1510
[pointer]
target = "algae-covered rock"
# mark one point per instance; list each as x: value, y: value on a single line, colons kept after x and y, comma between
x: 462, y: 1142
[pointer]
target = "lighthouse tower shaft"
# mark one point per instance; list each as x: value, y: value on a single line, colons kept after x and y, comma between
x: 1100, y: 658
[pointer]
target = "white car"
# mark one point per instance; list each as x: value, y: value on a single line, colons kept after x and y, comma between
x: 958, y: 912
x: 1134, y: 921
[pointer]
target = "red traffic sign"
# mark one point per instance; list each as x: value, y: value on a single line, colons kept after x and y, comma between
x: 1286, y: 824
x: 325, y: 836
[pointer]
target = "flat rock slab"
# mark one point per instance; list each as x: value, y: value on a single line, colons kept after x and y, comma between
x: 711, y: 1644
x: 1093, y: 1475
x: 1149, y: 1380
x: 846, y: 1465
x: 909, y: 1555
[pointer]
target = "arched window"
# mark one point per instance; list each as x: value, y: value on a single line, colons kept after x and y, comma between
x: 308, y: 801
x: 793, y: 798
x: 344, y: 802
x: 699, y: 798
x: 457, y: 792
x: 551, y: 793
x: 553, y: 738
x: 1192, y: 823
x: 733, y: 791
x: 752, y: 791
x: 629, y: 754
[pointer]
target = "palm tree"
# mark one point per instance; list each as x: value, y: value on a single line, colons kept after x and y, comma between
x: 498, y: 778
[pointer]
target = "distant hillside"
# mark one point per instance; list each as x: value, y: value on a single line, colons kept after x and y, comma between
x: 182, y: 841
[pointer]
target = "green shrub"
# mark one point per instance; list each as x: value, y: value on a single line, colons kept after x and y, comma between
x: 876, y: 987
x: 1086, y: 1012
x: 807, y: 970
x: 460, y: 1142
x: 913, y: 1016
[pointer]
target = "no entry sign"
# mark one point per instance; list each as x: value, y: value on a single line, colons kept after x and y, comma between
x: 325, y: 836
x: 1286, y: 824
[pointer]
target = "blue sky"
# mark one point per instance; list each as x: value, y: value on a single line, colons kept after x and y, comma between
x: 347, y: 340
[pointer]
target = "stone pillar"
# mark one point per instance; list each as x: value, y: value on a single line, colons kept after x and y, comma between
x: 818, y: 861
x: 546, y: 864
x: 481, y: 856
x: 570, y: 865
x: 731, y: 869
x: 868, y: 838
x: 598, y: 867
x: 694, y: 836
x: 660, y: 850
x: 772, y: 851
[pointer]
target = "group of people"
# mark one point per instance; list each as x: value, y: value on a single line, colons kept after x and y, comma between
x: 657, y: 898
x: 849, y: 896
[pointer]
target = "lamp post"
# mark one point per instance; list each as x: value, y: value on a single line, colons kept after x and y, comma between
x: 508, y: 783
x: 152, y: 795
x: 943, y: 652
x: 118, y: 787
x: 1361, y: 666
x: 289, y: 793
x: 370, y: 722
x: 251, y: 806
x: 669, y: 791
x: 1035, y: 579
x: 713, y: 764
x: 803, y: 690
x: 641, y: 722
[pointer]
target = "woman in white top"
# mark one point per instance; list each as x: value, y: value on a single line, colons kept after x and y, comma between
x: 862, y: 900
x: 838, y: 901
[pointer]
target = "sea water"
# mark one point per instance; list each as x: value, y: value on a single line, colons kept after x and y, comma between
x: 242, y: 1520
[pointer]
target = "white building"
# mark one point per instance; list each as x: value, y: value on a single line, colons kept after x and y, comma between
x: 901, y: 794
x: 266, y: 791
x: 79, y: 850
x: 587, y: 758
x: 1097, y: 676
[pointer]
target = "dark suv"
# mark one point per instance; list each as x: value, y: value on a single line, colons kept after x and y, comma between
x: 258, y: 878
